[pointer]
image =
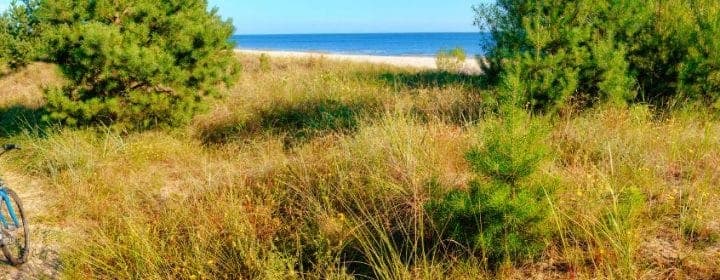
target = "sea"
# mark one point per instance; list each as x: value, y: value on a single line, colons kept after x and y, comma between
x: 380, y: 44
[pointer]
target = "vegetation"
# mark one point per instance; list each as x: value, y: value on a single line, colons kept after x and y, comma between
x: 132, y: 64
x: 630, y: 192
x: 451, y: 60
x: 19, y: 44
x: 265, y: 62
x: 550, y: 165
x: 135, y: 62
x: 506, y: 218
x: 551, y: 52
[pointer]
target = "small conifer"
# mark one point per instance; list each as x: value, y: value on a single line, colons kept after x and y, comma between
x: 135, y: 63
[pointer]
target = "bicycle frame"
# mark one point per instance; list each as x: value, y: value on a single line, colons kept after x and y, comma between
x: 8, y: 203
x: 4, y: 195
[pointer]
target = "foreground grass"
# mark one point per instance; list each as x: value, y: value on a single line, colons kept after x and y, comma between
x: 317, y: 169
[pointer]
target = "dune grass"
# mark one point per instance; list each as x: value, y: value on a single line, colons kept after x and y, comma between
x: 321, y: 170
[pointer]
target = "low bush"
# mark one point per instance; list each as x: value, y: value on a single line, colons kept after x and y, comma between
x: 550, y: 52
x: 265, y: 62
x: 451, y: 60
x: 19, y: 43
x: 138, y: 63
x: 503, y: 217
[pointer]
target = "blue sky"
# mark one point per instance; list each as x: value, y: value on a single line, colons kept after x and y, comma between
x: 347, y: 16
x: 344, y: 16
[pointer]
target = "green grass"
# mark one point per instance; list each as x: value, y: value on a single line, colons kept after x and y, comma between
x: 320, y: 170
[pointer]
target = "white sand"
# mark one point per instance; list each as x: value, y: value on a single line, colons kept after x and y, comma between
x: 471, y: 65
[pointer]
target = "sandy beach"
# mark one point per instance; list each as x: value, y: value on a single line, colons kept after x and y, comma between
x: 471, y: 64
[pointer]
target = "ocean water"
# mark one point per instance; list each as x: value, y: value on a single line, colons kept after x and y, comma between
x: 385, y: 44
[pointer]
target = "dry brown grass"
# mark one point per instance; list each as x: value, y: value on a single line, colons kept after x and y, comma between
x: 317, y: 169
x: 25, y: 86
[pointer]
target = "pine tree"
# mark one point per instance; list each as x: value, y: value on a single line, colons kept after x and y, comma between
x: 135, y: 63
x: 20, y: 42
x: 503, y: 214
x: 547, y: 52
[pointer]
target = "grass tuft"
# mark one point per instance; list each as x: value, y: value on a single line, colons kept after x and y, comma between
x: 318, y: 169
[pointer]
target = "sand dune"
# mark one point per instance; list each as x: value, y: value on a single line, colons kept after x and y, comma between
x: 471, y: 64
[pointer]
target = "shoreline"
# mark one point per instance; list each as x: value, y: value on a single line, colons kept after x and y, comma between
x: 471, y: 65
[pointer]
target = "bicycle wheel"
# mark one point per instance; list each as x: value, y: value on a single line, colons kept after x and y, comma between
x: 15, y: 236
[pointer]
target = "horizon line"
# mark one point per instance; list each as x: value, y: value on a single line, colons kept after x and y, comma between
x: 354, y: 33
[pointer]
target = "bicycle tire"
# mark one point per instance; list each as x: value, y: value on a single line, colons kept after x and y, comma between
x: 16, y: 254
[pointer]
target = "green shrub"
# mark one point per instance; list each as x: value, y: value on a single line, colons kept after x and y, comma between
x: 135, y: 63
x: 19, y: 40
x: 265, y: 65
x: 451, y: 60
x: 502, y: 217
x: 548, y: 52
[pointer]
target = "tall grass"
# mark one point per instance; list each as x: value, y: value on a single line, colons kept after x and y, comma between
x: 320, y: 170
